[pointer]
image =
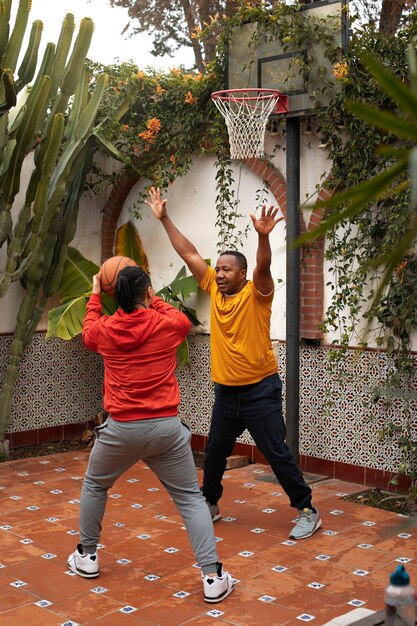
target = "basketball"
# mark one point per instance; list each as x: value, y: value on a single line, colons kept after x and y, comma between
x: 109, y: 271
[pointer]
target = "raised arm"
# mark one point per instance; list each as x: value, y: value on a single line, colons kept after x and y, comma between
x: 262, y: 277
x: 187, y: 251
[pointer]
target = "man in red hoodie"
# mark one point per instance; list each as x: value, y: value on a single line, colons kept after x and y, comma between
x: 138, y: 345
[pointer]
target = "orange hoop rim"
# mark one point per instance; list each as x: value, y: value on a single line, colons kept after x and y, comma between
x: 251, y: 95
x: 227, y: 94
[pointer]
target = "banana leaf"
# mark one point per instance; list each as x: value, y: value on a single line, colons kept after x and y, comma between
x: 66, y: 320
x: 78, y: 275
x: 128, y: 243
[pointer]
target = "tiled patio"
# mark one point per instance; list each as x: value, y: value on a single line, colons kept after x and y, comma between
x: 146, y: 573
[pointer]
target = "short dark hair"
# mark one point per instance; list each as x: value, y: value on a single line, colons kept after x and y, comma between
x: 131, y: 285
x: 240, y: 258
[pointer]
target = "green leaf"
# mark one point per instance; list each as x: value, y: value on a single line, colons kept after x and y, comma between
x: 356, y: 198
x: 128, y: 243
x: 78, y: 275
x: 107, y: 146
x: 183, y: 354
x: 399, y: 92
x: 66, y: 321
x: 382, y: 119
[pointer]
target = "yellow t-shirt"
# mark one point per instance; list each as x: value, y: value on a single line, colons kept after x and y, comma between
x: 241, y: 348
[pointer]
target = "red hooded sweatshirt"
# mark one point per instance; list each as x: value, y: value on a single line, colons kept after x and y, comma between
x: 139, y: 353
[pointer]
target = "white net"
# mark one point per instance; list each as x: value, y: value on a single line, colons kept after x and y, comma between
x: 246, y: 113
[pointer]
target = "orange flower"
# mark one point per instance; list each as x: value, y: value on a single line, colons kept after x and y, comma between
x: 400, y: 271
x: 340, y: 71
x: 125, y: 128
x: 159, y: 91
x: 189, y: 98
x: 154, y: 125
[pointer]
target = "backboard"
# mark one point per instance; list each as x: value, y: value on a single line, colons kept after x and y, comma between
x: 255, y: 58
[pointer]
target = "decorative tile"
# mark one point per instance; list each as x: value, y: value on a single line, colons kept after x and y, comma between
x: 181, y: 594
x: 215, y: 613
x: 43, y: 603
x: 356, y: 602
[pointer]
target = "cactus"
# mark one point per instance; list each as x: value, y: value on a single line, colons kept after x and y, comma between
x: 63, y: 143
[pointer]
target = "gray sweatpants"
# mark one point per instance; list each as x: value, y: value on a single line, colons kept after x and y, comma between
x: 164, y: 445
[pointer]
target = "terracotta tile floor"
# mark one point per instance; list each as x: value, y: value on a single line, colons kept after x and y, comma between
x: 346, y: 564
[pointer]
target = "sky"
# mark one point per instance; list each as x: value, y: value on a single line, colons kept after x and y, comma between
x: 108, y: 44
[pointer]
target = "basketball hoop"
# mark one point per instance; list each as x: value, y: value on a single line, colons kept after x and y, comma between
x: 246, y: 112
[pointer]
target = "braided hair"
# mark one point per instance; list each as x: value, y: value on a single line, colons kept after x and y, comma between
x: 131, y: 285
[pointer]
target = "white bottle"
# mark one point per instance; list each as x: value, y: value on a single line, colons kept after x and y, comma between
x: 400, y: 599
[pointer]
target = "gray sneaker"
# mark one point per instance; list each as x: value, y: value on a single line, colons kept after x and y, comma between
x: 307, y: 523
x: 214, y: 511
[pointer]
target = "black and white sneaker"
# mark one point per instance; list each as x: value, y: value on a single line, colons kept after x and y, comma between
x: 218, y: 588
x: 85, y: 565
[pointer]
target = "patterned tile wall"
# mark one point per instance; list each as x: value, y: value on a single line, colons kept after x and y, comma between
x: 60, y: 383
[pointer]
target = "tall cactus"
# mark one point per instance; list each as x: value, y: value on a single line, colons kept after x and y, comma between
x: 63, y: 142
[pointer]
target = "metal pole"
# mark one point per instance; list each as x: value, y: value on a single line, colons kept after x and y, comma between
x: 293, y: 286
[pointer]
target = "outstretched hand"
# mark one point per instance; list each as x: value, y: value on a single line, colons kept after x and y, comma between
x: 157, y: 205
x: 266, y: 222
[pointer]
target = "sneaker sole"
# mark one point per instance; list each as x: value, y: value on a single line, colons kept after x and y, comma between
x: 316, y: 527
x: 216, y: 517
x: 222, y: 596
x: 81, y: 572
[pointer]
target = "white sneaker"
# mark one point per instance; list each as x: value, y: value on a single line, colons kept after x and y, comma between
x: 85, y: 565
x: 218, y: 588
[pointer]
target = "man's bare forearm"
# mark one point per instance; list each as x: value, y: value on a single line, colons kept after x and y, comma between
x: 180, y: 243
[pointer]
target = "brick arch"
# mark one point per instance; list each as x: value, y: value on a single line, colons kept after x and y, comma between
x: 112, y: 210
x: 312, y: 257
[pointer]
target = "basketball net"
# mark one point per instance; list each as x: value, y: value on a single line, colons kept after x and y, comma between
x: 246, y: 113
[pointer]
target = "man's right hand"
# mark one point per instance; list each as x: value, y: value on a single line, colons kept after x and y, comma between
x: 157, y: 205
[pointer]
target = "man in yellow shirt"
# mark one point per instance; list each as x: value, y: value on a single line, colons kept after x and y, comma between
x: 248, y: 389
